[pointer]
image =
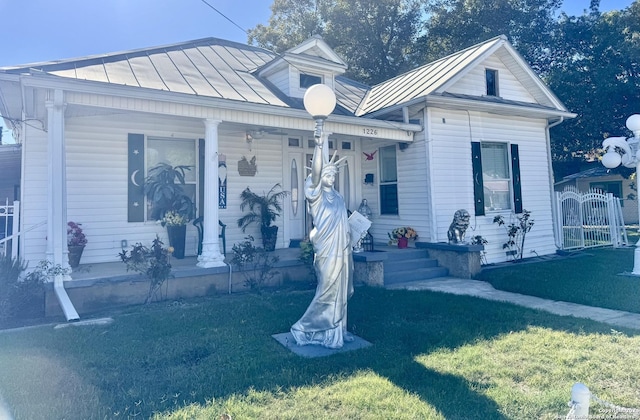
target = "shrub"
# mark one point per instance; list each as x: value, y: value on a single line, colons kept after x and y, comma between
x: 307, y: 255
x: 151, y: 262
x: 255, y: 263
x: 19, y: 294
x: 516, y: 233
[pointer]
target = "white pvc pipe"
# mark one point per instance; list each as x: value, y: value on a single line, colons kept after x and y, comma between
x: 580, y: 396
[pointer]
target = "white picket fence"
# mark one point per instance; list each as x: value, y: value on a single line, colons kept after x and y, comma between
x: 9, y: 226
x: 589, y: 219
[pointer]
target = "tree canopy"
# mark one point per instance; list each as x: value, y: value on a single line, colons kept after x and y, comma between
x: 591, y: 62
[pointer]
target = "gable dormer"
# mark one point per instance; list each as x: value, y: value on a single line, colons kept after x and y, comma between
x: 307, y: 64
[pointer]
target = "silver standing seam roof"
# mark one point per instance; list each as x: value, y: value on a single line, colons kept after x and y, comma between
x: 217, y: 68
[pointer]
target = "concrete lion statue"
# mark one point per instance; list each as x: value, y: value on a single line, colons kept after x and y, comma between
x: 458, y: 227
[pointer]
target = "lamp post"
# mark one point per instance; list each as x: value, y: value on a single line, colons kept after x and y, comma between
x: 625, y: 151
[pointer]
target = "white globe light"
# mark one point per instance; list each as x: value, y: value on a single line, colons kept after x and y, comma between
x: 319, y: 100
x: 611, y: 159
x: 633, y: 123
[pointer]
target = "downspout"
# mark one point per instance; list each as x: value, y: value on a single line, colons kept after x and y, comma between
x: 56, y: 221
x: 554, y: 204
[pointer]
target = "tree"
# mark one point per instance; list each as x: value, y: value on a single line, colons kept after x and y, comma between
x: 374, y: 37
x: 291, y: 23
x: 595, y: 71
x: 457, y: 24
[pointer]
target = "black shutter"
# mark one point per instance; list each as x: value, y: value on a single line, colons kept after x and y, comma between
x: 478, y: 186
x: 135, y: 194
x: 515, y: 172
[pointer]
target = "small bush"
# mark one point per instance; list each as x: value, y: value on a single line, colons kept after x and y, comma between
x: 516, y: 233
x: 19, y: 294
x: 255, y: 263
x: 151, y: 262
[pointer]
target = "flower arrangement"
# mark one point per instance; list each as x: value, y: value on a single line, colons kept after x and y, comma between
x: 402, y: 232
x: 75, y: 236
x: 173, y: 218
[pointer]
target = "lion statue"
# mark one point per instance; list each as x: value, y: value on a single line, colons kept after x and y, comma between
x: 458, y: 227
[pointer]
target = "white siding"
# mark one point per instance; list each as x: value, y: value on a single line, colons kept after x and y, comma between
x: 413, y: 198
x: 452, y: 133
x: 474, y: 84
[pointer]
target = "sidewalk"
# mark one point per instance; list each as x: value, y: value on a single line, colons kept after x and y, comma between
x: 485, y: 290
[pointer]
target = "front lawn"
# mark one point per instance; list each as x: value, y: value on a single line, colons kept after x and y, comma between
x: 591, y: 277
x: 433, y: 356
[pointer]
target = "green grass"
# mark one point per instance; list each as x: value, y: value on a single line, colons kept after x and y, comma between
x: 434, y: 356
x: 592, y: 277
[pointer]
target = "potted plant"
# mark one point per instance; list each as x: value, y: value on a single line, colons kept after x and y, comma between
x: 163, y: 187
x: 263, y: 209
x: 401, y: 236
x: 76, y: 241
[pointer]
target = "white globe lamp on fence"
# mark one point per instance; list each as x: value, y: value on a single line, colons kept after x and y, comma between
x: 624, y: 151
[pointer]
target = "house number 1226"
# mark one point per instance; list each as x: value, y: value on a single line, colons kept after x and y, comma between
x: 369, y: 131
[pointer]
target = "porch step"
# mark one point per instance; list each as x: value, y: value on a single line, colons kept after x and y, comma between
x: 411, y: 265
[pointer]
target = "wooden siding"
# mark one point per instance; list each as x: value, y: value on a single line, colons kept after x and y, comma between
x: 473, y: 83
x: 451, y: 134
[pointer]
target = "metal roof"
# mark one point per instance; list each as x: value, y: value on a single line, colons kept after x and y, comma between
x: 217, y: 68
x: 209, y: 67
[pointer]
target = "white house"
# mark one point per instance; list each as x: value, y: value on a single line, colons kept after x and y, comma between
x: 469, y: 131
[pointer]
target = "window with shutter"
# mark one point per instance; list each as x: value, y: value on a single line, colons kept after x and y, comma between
x: 496, y: 183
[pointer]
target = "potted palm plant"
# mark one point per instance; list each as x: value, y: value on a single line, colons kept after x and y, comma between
x: 263, y: 209
x: 164, y: 188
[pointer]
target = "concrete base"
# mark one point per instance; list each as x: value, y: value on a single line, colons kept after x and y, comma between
x: 311, y: 351
x: 463, y: 261
x: 368, y: 268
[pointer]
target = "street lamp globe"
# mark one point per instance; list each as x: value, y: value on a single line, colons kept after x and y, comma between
x: 611, y: 159
x: 633, y: 123
x: 319, y: 101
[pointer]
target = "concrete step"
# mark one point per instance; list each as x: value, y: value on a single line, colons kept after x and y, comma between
x: 411, y: 265
x: 415, y: 275
x: 393, y: 266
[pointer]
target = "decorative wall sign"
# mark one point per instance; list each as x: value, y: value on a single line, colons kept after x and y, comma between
x: 370, y: 156
x: 222, y: 181
x: 247, y: 167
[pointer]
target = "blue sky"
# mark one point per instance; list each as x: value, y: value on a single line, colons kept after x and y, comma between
x: 44, y: 30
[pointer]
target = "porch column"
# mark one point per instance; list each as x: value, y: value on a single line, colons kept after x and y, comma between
x: 211, y: 255
x: 57, y: 252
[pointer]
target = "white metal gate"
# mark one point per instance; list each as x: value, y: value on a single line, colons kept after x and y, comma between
x: 9, y: 228
x: 589, y: 219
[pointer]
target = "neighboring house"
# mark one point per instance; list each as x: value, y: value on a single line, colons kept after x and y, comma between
x: 615, y: 181
x: 469, y: 131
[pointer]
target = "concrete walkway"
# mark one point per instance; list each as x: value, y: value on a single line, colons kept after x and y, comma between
x: 485, y: 290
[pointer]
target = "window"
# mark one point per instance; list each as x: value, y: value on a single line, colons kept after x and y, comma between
x: 294, y: 142
x: 495, y: 181
x: 388, y: 181
x: 496, y: 176
x: 308, y: 80
x: 491, y: 77
x: 613, y: 187
x: 174, y: 152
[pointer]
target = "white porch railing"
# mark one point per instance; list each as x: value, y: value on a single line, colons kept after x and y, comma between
x: 9, y: 228
x: 590, y: 219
